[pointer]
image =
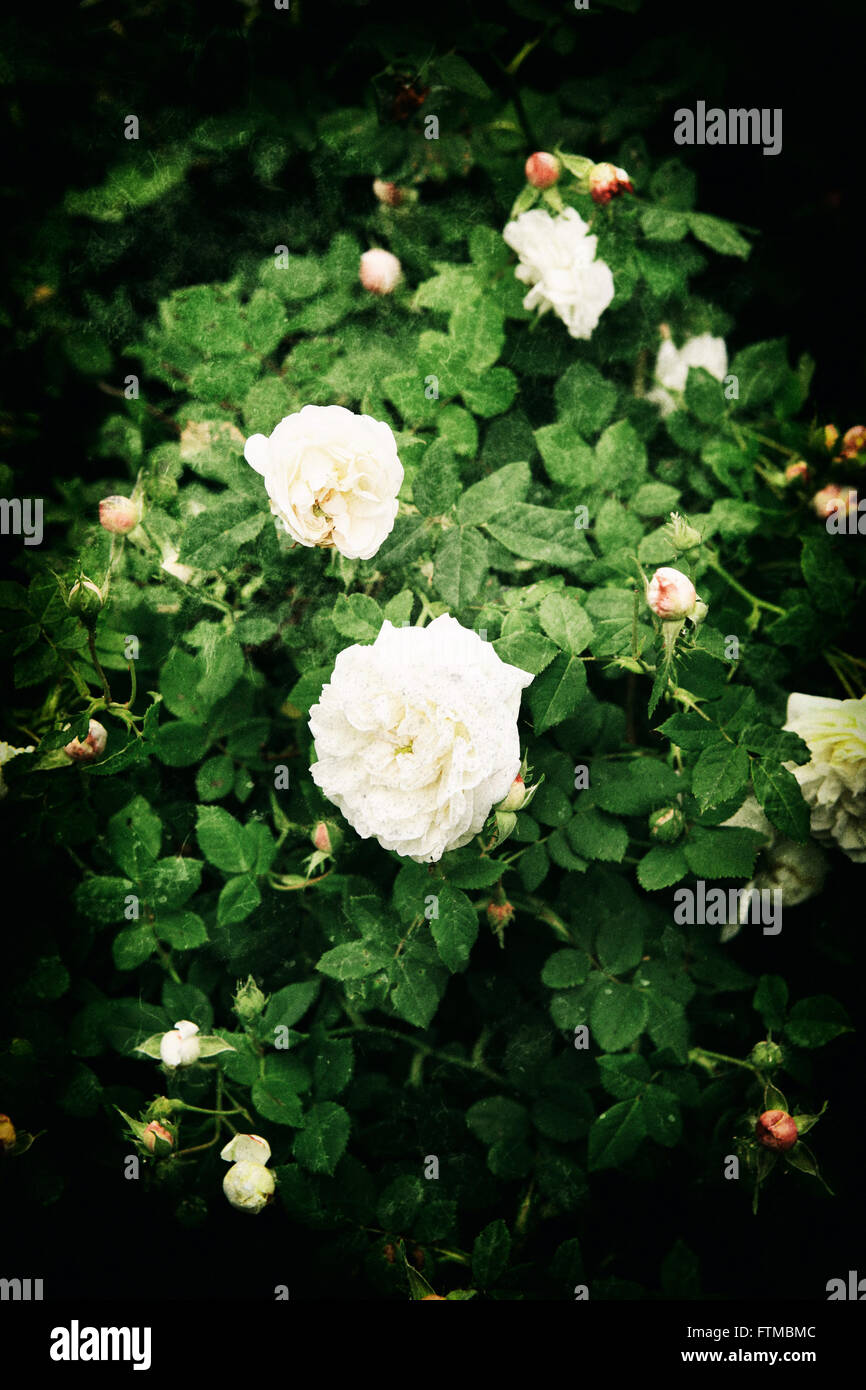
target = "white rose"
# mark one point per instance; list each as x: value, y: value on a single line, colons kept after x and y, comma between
x: 249, y: 1186
x: 7, y: 753
x: 181, y: 1047
x: 416, y: 736
x: 798, y: 870
x: 672, y: 367
x: 834, y: 780
x: 379, y: 271
x: 332, y: 477
x: 557, y: 258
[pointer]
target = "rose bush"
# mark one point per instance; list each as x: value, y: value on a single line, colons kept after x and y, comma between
x: 396, y: 719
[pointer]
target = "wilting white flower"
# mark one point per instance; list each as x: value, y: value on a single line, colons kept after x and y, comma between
x: 332, y: 478
x: 673, y: 363
x: 416, y: 736
x: 798, y: 870
x: 248, y: 1184
x: 834, y: 780
x: 557, y: 258
x: 181, y: 1047
x: 7, y: 753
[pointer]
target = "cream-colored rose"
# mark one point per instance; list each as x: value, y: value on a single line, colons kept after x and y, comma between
x: 558, y: 261
x: 416, y: 736
x: 7, y: 753
x: 673, y: 363
x: 332, y: 478
x: 834, y: 780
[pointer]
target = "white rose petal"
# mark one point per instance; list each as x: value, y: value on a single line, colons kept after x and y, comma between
x: 557, y: 259
x: 246, y: 1148
x: 181, y: 1047
x: 416, y: 736
x: 834, y: 780
x: 672, y: 367
x: 332, y: 478
x: 7, y: 753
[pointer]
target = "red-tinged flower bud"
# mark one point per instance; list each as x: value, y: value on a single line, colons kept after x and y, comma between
x: 499, y: 915
x: 155, y: 1131
x: 380, y: 271
x: 671, y: 594
x: 428, y: 1297
x: 327, y: 837
x: 119, y: 515
x: 834, y: 498
x: 797, y: 472
x: 516, y: 795
x: 776, y: 1130
x: 853, y: 442
x: 667, y: 825
x: 92, y: 747
x: 542, y: 169
x: 606, y: 181
x: 831, y: 434
x: 388, y: 193
x: 7, y: 1133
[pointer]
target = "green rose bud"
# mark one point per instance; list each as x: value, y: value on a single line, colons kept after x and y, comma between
x: 249, y: 1001
x: 766, y: 1055
x: 85, y: 600
x: 681, y: 535
x: 667, y: 825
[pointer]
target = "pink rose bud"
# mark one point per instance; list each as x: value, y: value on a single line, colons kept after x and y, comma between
x: 798, y: 471
x: 833, y: 498
x: 119, y: 515
x: 92, y: 747
x: 671, y: 595
x: 831, y: 434
x: 156, y: 1131
x: 388, y: 193
x: 499, y: 915
x: 516, y: 795
x: 853, y: 442
x: 606, y: 181
x: 776, y: 1130
x: 321, y: 838
x: 380, y: 271
x: 542, y: 169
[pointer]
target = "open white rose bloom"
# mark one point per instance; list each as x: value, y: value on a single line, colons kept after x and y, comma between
x: 673, y: 363
x: 416, y: 736
x: 557, y: 258
x: 332, y: 478
x: 834, y: 780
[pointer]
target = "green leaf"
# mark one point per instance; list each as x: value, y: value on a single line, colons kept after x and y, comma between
x: 661, y: 1113
x: 239, y: 897
x: 460, y: 566
x: 624, y: 1075
x: 222, y: 840
x: 357, y: 616
x: 635, y: 787
x: 565, y: 968
x: 215, y: 778
x: 455, y: 929
x: 498, y: 1119
x: 275, y: 1094
x: 418, y: 987
x: 494, y: 494
x: 815, y: 1021
x: 565, y: 621
x: 663, y: 224
x: 662, y: 866
x: 620, y: 455
x: 102, y: 898
x: 182, y: 930
x: 132, y: 947
x: 490, y: 1254
x: 718, y: 235
x: 480, y: 330
x: 595, y: 835
x: 585, y: 398
x: 289, y: 1004
x: 779, y: 794
x: 655, y: 499
x: 725, y: 852
x: 771, y: 1000
x: 721, y: 774
x: 134, y: 836
x: 616, y: 1134
x: 557, y: 693
x: 542, y: 534
x: 170, y: 882
x: 436, y: 485
x: 457, y: 73
x: 705, y: 396
x: 618, y: 1014
x: 619, y: 943
x: 492, y: 393
x: 180, y: 744
x: 352, y: 961
x: 528, y: 651
x: 322, y: 1142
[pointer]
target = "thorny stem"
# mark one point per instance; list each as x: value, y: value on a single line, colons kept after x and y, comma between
x: 696, y: 1054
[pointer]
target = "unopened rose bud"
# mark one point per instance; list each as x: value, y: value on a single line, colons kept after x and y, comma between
x: 327, y: 837
x: 671, y: 594
x: 380, y: 271
x: 853, y: 442
x: 606, y: 181
x: 667, y: 825
x: 797, y: 472
x: 119, y: 515
x: 93, y: 745
x: 154, y: 1133
x: 681, y: 535
x: 388, y: 193
x: 249, y: 1186
x: 516, y: 795
x: 85, y: 600
x: 542, y: 169
x: 7, y: 1134
x: 249, y: 1001
x: 499, y: 915
x: 831, y: 434
x: 834, y: 498
x: 766, y: 1055
x: 180, y: 1048
x: 776, y: 1130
